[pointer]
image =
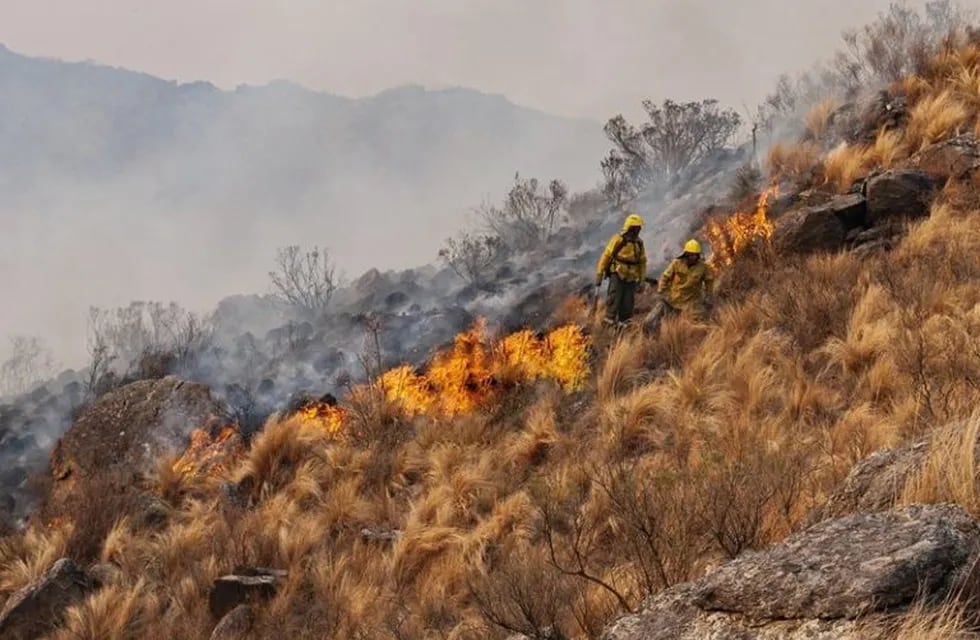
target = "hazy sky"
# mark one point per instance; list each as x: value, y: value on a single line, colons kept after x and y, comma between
x: 578, y: 57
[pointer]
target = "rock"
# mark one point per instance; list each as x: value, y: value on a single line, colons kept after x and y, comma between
x: 820, y: 582
x: 383, y: 536
x: 847, y: 567
x: 809, y: 229
x: 235, y: 625
x: 874, y: 483
x: 953, y: 158
x: 245, y: 585
x: 123, y: 434
x: 671, y: 615
x: 38, y: 608
x: 898, y: 194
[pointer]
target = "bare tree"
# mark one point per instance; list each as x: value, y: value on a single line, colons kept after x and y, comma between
x: 29, y: 363
x: 676, y: 137
x: 900, y: 42
x: 304, y: 280
x: 470, y: 256
x: 528, y: 216
x: 120, y: 338
x: 618, y: 184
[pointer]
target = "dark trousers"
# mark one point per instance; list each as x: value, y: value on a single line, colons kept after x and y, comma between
x: 619, y: 299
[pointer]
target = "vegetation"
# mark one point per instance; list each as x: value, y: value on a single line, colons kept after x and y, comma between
x: 528, y: 215
x: 549, y: 509
x: 304, y: 280
x: 676, y: 137
x: 472, y: 257
x: 29, y: 363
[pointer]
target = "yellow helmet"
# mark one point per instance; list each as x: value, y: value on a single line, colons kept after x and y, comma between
x: 632, y: 220
x: 692, y: 246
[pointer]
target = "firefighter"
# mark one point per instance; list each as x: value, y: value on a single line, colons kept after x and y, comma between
x: 624, y: 262
x: 687, y: 283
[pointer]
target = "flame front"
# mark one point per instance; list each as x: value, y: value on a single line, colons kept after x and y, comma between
x: 465, y: 377
x: 733, y: 235
x: 208, y: 456
x: 327, y: 416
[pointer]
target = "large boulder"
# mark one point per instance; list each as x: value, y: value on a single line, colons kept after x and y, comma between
x: 39, y: 607
x: 900, y: 194
x: 952, y: 158
x: 123, y: 435
x: 822, y: 227
x: 829, y: 581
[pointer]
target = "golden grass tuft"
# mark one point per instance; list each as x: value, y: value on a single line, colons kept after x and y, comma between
x: 796, y: 162
x: 843, y: 165
x: 818, y: 118
x: 934, y: 118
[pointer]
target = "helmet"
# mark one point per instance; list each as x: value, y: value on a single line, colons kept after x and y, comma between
x: 632, y: 220
x: 692, y: 246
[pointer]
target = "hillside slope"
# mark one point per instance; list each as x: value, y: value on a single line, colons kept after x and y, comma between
x: 704, y: 480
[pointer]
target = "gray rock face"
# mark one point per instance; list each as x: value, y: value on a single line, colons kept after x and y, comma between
x: 39, y: 607
x: 900, y: 193
x: 818, y: 582
x: 235, y: 625
x: 874, y: 483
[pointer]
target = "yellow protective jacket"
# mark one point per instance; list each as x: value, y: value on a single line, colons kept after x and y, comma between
x: 684, y: 287
x: 625, y: 257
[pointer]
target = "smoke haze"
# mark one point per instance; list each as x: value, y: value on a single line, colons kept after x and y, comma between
x: 118, y: 186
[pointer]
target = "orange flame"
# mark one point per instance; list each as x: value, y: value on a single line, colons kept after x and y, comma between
x: 458, y: 380
x: 464, y: 377
x: 208, y: 456
x: 730, y: 237
x: 327, y: 416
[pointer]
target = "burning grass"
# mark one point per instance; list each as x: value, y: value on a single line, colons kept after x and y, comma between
x: 732, y: 236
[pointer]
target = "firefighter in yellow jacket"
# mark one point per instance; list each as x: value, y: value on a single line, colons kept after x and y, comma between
x: 687, y: 282
x: 624, y: 262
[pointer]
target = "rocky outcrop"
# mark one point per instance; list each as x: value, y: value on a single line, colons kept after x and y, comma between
x: 900, y: 194
x: 953, y: 158
x: 244, y: 586
x: 39, y: 608
x: 827, y: 582
x: 874, y: 484
x: 120, y: 437
x: 822, y: 227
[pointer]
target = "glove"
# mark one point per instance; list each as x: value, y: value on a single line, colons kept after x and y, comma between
x: 598, y: 281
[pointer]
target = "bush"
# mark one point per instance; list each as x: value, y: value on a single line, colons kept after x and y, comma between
x: 304, y: 281
x: 472, y: 257
x: 528, y: 216
x: 677, y: 136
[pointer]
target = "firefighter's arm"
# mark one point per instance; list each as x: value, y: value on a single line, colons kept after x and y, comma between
x: 643, y: 263
x: 665, y: 278
x: 600, y: 270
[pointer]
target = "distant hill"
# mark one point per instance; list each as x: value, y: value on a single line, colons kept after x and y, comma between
x: 194, y: 187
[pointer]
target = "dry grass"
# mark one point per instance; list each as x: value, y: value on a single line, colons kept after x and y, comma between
x: 843, y: 165
x: 796, y: 163
x: 935, y: 117
x: 558, y: 510
x: 818, y: 117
